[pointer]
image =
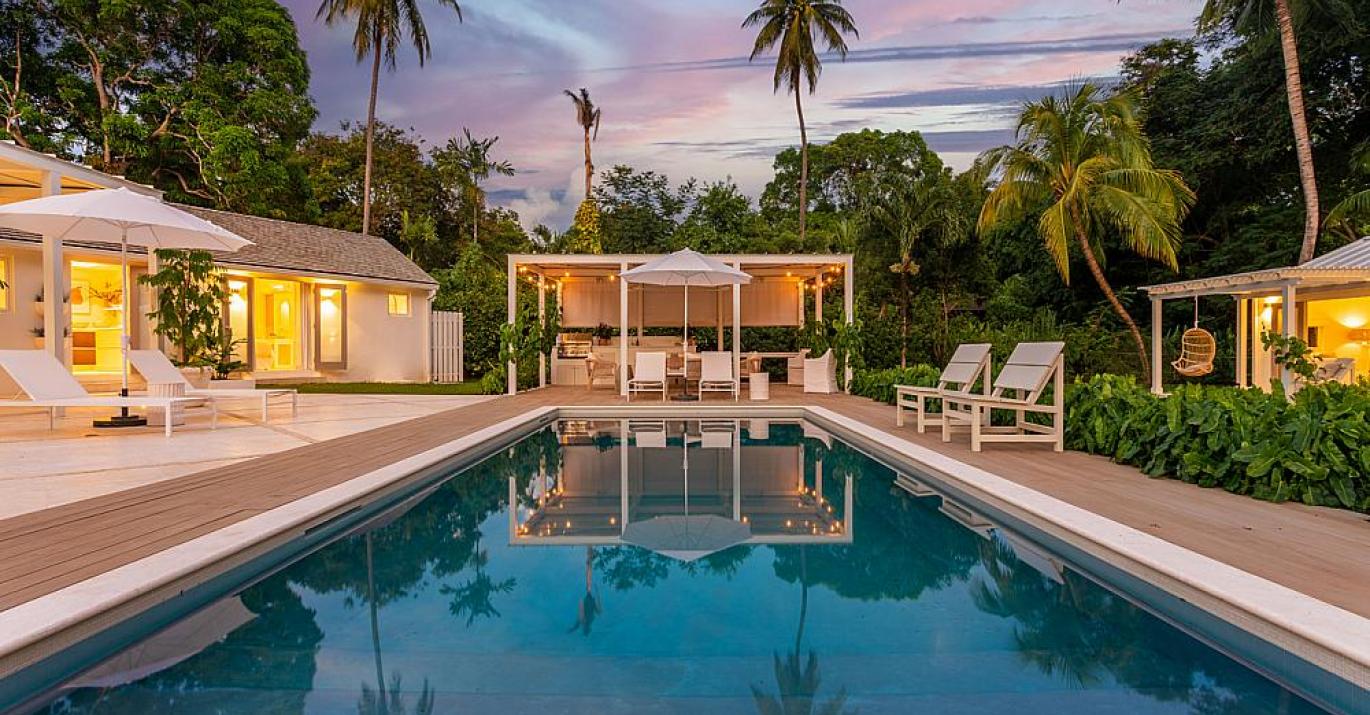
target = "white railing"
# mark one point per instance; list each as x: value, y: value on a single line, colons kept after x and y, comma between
x: 448, y: 356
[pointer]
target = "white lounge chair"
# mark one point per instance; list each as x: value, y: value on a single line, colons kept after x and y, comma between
x: 48, y: 384
x: 157, y: 369
x: 967, y: 365
x: 820, y: 374
x: 1018, y: 387
x: 716, y: 374
x: 649, y: 375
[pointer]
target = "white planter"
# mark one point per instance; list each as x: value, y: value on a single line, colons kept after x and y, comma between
x: 156, y: 417
x: 245, y: 384
x: 38, y: 343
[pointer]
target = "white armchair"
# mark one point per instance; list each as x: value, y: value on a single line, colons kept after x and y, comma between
x: 820, y: 374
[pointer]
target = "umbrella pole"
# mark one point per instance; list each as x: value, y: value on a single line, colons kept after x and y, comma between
x: 685, y: 395
x: 123, y: 419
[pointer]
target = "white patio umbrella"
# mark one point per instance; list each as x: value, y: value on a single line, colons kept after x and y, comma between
x: 686, y: 268
x: 123, y: 217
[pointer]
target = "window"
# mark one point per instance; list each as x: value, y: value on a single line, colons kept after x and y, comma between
x: 331, y: 336
x: 398, y: 303
x: 5, y: 280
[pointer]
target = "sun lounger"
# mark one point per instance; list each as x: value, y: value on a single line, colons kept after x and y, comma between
x: 48, y: 384
x: 1018, y: 387
x: 157, y: 369
x: 968, y: 365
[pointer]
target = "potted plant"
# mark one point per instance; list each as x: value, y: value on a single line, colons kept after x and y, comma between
x: 187, y: 314
x: 601, y: 334
x: 222, y: 363
x: 38, y: 336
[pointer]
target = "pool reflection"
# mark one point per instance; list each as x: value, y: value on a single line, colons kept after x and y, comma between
x: 456, y: 601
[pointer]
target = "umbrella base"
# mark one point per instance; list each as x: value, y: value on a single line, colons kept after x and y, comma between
x: 120, y: 421
x: 685, y: 398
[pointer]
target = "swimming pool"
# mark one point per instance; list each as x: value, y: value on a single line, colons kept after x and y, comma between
x: 711, y: 566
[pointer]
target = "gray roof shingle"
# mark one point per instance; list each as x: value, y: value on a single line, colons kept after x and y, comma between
x: 1352, y: 255
x: 283, y: 245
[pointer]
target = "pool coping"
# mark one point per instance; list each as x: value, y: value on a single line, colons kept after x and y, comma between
x: 1331, y: 638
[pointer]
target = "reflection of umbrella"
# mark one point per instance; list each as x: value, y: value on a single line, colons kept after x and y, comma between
x: 686, y: 268
x: 123, y: 217
x: 686, y: 537
x: 171, y: 646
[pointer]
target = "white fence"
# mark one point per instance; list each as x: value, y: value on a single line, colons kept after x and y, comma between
x: 448, y: 357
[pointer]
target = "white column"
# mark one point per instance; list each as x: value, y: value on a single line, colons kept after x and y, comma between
x: 623, y: 332
x: 1243, y: 328
x: 718, y: 312
x: 54, y: 280
x: 818, y: 298
x: 542, y: 313
x: 622, y: 475
x: 737, y: 323
x: 737, y: 470
x: 1156, y: 347
x: 848, y: 303
x: 1289, y: 326
x: 512, y: 297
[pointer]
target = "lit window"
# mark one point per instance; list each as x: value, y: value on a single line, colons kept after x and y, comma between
x: 399, y: 303
x: 5, y: 279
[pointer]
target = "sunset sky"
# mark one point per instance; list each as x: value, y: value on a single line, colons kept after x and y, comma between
x: 679, y: 96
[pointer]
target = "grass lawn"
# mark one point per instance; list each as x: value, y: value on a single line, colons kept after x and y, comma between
x: 470, y: 387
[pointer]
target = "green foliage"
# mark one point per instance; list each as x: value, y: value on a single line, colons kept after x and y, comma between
x: 219, y: 356
x: 1290, y: 353
x: 1312, y: 449
x: 879, y: 384
x: 190, y: 292
x: 585, y: 235
x: 476, y: 288
x: 842, y: 338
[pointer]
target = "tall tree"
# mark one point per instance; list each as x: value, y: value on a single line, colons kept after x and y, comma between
x: 466, y: 162
x: 912, y: 213
x: 1250, y: 15
x: 1082, y: 161
x: 381, y: 24
x: 587, y: 116
x: 795, y: 25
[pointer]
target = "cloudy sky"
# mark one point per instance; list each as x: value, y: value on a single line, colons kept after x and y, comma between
x: 679, y: 96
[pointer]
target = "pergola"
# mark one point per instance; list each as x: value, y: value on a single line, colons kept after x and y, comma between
x: 589, y: 292
x: 1279, y: 299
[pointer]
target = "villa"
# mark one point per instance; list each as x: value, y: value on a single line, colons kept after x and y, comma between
x: 307, y: 303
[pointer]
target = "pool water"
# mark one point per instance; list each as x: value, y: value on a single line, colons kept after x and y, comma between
x: 790, y: 574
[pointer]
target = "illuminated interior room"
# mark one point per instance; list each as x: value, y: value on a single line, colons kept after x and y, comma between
x: 276, y: 325
x: 95, y: 300
x: 1330, y: 299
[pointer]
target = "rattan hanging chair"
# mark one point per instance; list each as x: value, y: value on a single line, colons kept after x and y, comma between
x: 1197, y: 350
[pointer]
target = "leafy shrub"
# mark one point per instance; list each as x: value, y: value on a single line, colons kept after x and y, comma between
x: 879, y: 384
x: 1314, y: 449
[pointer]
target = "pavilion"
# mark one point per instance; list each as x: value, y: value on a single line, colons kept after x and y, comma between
x: 590, y: 294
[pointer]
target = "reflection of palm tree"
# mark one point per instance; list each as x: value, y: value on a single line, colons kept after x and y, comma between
x: 589, y: 607
x: 373, y: 703
x: 474, y: 598
x: 375, y: 626
x: 796, y: 681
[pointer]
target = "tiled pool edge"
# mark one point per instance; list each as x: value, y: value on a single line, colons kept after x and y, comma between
x: 1335, y: 640
x: 36, y: 630
x: 1330, y: 638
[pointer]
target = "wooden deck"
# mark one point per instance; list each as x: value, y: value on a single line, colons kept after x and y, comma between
x: 1320, y: 552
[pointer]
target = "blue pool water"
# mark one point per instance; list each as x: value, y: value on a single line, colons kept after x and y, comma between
x: 792, y: 576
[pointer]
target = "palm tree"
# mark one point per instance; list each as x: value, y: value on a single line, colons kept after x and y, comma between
x: 1082, y: 161
x: 794, y: 25
x: 1349, y: 215
x: 1245, y: 14
x: 381, y: 24
x: 466, y: 161
x: 587, y: 116
x: 912, y: 212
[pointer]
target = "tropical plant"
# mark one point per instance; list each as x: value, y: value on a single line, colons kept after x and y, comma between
x: 190, y: 293
x: 912, y: 212
x: 1256, y: 16
x: 587, y: 116
x: 1083, y: 166
x: 795, y: 26
x: 466, y: 162
x: 381, y: 24
x: 221, y: 357
x: 879, y: 385
x: 1310, y: 449
x: 1353, y: 213
x: 1291, y: 353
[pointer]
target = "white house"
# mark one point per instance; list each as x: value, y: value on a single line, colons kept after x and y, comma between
x: 310, y: 303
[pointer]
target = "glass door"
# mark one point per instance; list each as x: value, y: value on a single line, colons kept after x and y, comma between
x: 276, y: 325
x: 238, y: 318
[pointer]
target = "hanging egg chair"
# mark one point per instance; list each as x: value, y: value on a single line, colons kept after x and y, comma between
x: 1197, y: 349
